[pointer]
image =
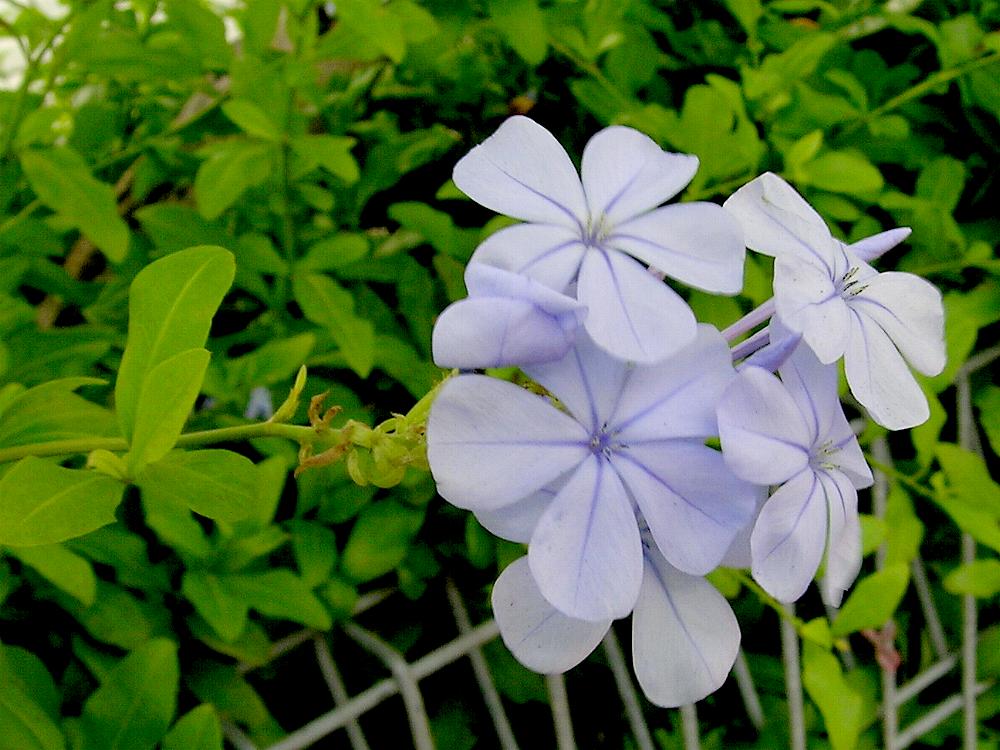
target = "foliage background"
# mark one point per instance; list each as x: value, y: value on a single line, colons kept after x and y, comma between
x: 315, y: 143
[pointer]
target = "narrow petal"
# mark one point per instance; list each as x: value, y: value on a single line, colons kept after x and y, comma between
x: 538, y: 635
x: 874, y: 247
x: 588, y: 381
x: 909, y: 309
x: 522, y: 171
x: 777, y: 221
x: 879, y: 378
x: 676, y: 398
x: 631, y: 314
x: 685, y: 636
x: 843, y: 547
x: 516, y: 522
x: 491, y: 443
x: 585, y: 554
x: 808, y: 303
x: 813, y: 387
x: 625, y: 173
x: 765, y: 439
x: 789, y: 537
x: 549, y: 254
x: 693, y: 504
x: 697, y: 243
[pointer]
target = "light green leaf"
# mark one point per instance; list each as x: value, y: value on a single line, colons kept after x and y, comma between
x: 228, y: 171
x: 873, y: 600
x: 376, y: 25
x: 315, y: 549
x: 334, y: 252
x: 65, y: 570
x: 379, y: 540
x: 327, y: 304
x: 988, y: 404
x: 252, y: 119
x: 63, y: 182
x: 979, y: 578
x: 221, y: 607
x: 166, y: 399
x: 842, y: 708
x: 332, y: 152
x: 842, y: 172
x: 280, y: 593
x: 135, y: 704
x: 51, y: 411
x: 24, y: 725
x: 171, y: 304
x: 218, y: 484
x: 22, y: 669
x: 199, y: 729
x: 44, y: 503
x: 522, y: 26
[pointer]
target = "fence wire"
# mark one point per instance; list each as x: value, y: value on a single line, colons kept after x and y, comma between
x: 405, y: 677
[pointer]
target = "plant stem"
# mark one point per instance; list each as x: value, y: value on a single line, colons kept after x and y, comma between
x: 238, y: 433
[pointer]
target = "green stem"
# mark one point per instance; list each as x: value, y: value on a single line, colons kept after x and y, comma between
x: 905, y: 479
x: 923, y: 88
x: 239, y: 433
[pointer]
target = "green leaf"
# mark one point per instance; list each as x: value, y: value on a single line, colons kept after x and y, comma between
x: 171, y: 304
x: 51, y: 411
x: 63, y: 182
x: 119, y: 618
x: 337, y: 251
x: 65, y: 570
x: 315, y: 549
x: 221, y: 607
x: 199, y: 729
x: 523, y: 27
x: 379, y: 540
x: 842, y: 172
x: 252, y: 119
x: 22, y: 669
x: 135, y: 704
x: 166, y: 400
x: 280, y: 593
x: 375, y: 25
x: 332, y: 152
x: 988, y: 404
x: 873, y: 600
x: 968, y: 494
x: 327, y: 304
x: 218, y: 484
x: 228, y: 171
x: 24, y: 725
x: 980, y: 578
x: 842, y: 708
x: 44, y: 503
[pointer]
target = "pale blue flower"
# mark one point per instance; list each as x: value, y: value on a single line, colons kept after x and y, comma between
x: 590, y: 238
x: 793, y: 433
x: 841, y: 306
x: 508, y: 319
x: 576, y: 484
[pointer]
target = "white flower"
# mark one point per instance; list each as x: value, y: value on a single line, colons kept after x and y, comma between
x: 841, y: 306
x: 587, y: 238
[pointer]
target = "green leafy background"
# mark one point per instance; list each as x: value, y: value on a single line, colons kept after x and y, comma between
x: 185, y: 219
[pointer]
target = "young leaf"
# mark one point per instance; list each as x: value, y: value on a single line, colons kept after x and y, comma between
x: 315, y: 549
x: 873, y: 600
x: 171, y: 304
x: 25, y: 724
x: 251, y: 119
x: 52, y: 411
x: 44, y: 503
x: 332, y: 152
x: 217, y: 484
x: 63, y: 182
x: 280, y: 593
x: 979, y: 578
x: 222, y: 608
x: 379, y: 540
x: 231, y: 169
x: 199, y: 729
x: 841, y: 707
x: 523, y: 27
x: 135, y: 704
x: 65, y: 570
x: 327, y: 304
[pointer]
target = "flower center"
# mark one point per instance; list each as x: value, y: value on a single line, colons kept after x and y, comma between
x: 604, y: 443
x: 849, y: 284
x: 596, y: 231
x: 825, y: 456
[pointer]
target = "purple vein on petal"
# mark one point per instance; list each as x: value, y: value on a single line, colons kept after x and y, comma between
x: 798, y: 518
x: 624, y: 455
x: 526, y: 186
x: 677, y: 614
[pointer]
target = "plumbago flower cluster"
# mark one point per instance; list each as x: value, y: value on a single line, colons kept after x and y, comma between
x: 606, y: 469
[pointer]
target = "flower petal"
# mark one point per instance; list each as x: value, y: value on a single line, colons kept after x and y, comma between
x: 631, y: 314
x: 879, y: 378
x: 765, y: 439
x: 685, y: 636
x: 693, y: 504
x: 549, y: 254
x: 585, y: 554
x: 676, y: 398
x: 522, y: 171
x: 808, y: 303
x: 789, y: 537
x: 491, y: 443
x: 843, y: 547
x: 738, y: 554
x: 909, y: 309
x: 538, y: 635
x: 813, y: 387
x: 481, y: 332
x: 626, y: 173
x: 872, y: 248
x: 777, y: 221
x: 697, y: 243
x: 588, y: 381
x: 516, y: 522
